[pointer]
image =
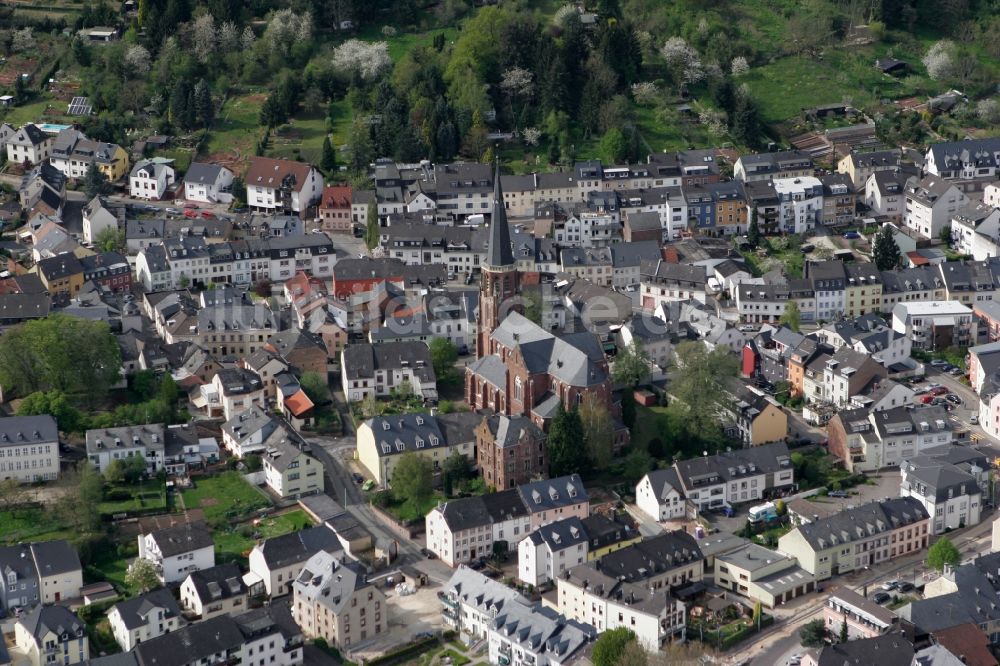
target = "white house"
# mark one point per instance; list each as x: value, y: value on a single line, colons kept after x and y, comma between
x: 51, y: 635
x: 97, y: 218
x: 933, y: 325
x: 178, y: 550
x: 144, y: 617
x: 374, y: 370
x: 470, y: 601
x: 150, y: 179
x: 29, y: 448
x: 289, y: 470
x: 215, y: 591
x: 800, y: 204
x: 950, y: 482
x: 551, y: 550
x: 277, y: 561
x: 29, y: 144
x: 930, y: 204
x: 208, y: 183
x: 658, y: 495
x: 282, y: 186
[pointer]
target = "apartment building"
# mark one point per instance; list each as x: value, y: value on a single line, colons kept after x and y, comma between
x: 859, y: 166
x: 771, y: 166
x: 382, y: 441
x: 735, y: 477
x: 870, y: 440
x: 282, y: 186
x: 144, y: 617
x: 376, y: 370
x: 864, y: 617
x: 29, y: 448
x: 333, y: 600
x: 951, y: 482
x: 930, y: 204
x: 935, y: 325
x: 178, y: 550
x: 963, y: 160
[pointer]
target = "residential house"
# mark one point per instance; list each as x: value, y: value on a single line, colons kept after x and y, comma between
x: 43, y: 572
x: 333, y: 600
x: 62, y: 275
x: 553, y: 499
x: 838, y: 377
x: 771, y: 166
x: 29, y: 144
x: 761, y: 575
x: 859, y: 166
x: 150, y: 179
x: 208, y: 183
x: 105, y: 445
x: 178, y: 550
x: 335, y: 209
x: 662, y: 282
x: 800, y: 203
x: 870, y: 440
x: 868, y: 334
x: 935, y: 325
x: 246, y: 431
x: 658, y: 495
x: 144, y: 617
x: 839, y: 202
x: 289, y: 469
x: 232, y: 390
x: 536, y: 636
x: 864, y: 617
x: 108, y: 270
x: 52, y: 635
x: 756, y: 418
x: 470, y: 601
x: 950, y: 482
x: 856, y: 538
x: 96, y: 219
x: 863, y: 290
x: 510, y: 450
x: 643, y: 226
x: 73, y: 153
x: 967, y: 595
x: 930, y: 204
x: 218, y: 590
x: 29, y: 448
x: 890, y: 650
x: 377, y: 370
x: 465, y: 529
x: 282, y: 186
x: 963, y: 160
x: 278, y: 561
x: 548, y: 552
x: 886, y: 193
x: 735, y: 477
x: 42, y: 191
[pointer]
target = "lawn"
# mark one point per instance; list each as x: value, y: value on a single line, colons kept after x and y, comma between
x: 33, y: 112
x: 236, y: 129
x: 31, y: 525
x: 232, y: 545
x: 406, y: 511
x: 224, y: 497
x: 112, y: 563
x: 300, y: 139
x: 404, y: 41
x: 144, y: 497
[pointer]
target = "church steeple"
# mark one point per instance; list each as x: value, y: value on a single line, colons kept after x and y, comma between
x: 499, y: 283
x: 498, y: 252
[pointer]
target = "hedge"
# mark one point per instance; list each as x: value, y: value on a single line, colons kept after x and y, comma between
x: 405, y: 653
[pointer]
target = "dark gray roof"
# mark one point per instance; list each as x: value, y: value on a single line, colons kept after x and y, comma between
x: 361, y: 360
x: 199, y: 172
x: 862, y: 521
x: 975, y: 601
x: 57, y: 619
x: 222, y: 581
x: 498, y: 252
x: 299, y: 546
x: 182, y: 538
x: 561, y: 534
x: 889, y: 650
x: 55, y: 557
x: 504, y: 505
x: 14, y: 307
x: 634, y: 253
x: 465, y: 513
x: 508, y: 431
x: 652, y: 556
x: 135, y: 610
x: 237, y: 381
x: 663, y: 480
x: 191, y: 644
x: 400, y: 433
x: 28, y: 430
x: 551, y: 494
x: 741, y: 463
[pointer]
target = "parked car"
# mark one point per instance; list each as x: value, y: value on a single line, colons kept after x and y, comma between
x: 939, y: 402
x: 208, y: 215
x: 926, y: 400
x: 358, y: 479
x: 151, y: 208
x: 852, y: 235
x: 747, y: 328
x: 463, y: 350
x: 951, y: 397
x: 837, y: 493
x: 173, y: 211
x: 191, y: 213
x: 881, y: 597
x: 191, y: 206
x: 807, y: 248
x: 940, y: 390
x: 906, y: 587
x: 890, y: 585
x: 955, y: 371
x: 939, y: 363
x: 428, y: 554
x: 974, y: 419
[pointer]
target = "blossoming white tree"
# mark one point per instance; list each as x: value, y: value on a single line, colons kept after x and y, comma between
x: 369, y: 59
x: 683, y: 60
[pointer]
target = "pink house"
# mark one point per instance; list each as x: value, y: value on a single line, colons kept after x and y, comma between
x: 555, y: 499
x: 865, y: 618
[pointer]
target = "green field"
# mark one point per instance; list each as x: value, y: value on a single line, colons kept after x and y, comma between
x: 31, y: 525
x: 144, y: 498
x: 232, y: 545
x: 223, y: 496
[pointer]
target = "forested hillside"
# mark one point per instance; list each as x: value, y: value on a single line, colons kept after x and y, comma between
x: 343, y: 82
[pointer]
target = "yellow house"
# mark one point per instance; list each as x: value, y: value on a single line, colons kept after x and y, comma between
x: 52, y: 635
x: 112, y: 161
x: 864, y: 290
x: 606, y: 536
x: 382, y: 441
x: 759, y: 419
x: 61, y: 274
x: 762, y: 575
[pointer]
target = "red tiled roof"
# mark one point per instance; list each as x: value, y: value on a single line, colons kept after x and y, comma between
x: 269, y: 172
x: 336, y: 196
x: 298, y: 403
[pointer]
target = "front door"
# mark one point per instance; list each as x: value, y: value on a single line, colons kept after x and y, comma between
x: 58, y: 597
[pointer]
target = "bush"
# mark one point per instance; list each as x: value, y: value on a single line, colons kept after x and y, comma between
x: 118, y: 495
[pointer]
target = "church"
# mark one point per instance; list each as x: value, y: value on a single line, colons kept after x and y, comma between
x: 522, y: 369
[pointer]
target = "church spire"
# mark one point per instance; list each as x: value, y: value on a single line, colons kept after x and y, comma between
x: 499, y: 252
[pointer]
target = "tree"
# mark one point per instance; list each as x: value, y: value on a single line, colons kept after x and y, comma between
x: 885, y: 251
x: 945, y: 235
x: 328, y: 161
x: 455, y: 470
x: 413, y: 480
x: 69, y: 354
x: 792, y: 317
x: 372, y: 232
x: 631, y: 366
x: 610, y: 645
x: 367, y: 60
x: 633, y: 655
x: 943, y: 553
x: 813, y: 634
x: 167, y: 390
x: 701, y: 384
x: 628, y: 407
x: 780, y: 507
x: 272, y: 112
x: 82, y: 499
x: 843, y: 630
x: 940, y: 60
x: 141, y: 576
x: 443, y: 356
x: 94, y: 182
x: 532, y: 306
x: 13, y: 493
x: 316, y: 387
x: 110, y: 239
x: 563, y: 444
x: 739, y: 66
x: 204, y: 37
x: 683, y: 61
x: 753, y: 231
x: 598, y: 431
x: 614, y: 146
x: 55, y: 404
x: 137, y: 60
x: 203, y: 107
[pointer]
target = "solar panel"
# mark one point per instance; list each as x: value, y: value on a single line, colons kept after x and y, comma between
x: 80, y: 106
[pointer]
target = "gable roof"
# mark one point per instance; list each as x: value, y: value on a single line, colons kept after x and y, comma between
x: 862, y: 521
x: 223, y: 581
x: 271, y: 173
x: 134, y: 611
x: 182, y: 538
x: 549, y: 494
x: 298, y: 546
x: 200, y: 172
